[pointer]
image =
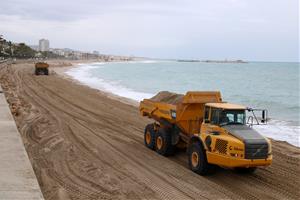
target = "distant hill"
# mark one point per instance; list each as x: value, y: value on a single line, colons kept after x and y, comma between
x: 9, y: 49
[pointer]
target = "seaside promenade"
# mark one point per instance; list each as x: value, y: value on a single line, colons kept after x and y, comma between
x: 17, y: 179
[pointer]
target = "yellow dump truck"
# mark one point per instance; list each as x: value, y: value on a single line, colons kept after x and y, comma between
x: 41, y: 68
x: 215, y: 133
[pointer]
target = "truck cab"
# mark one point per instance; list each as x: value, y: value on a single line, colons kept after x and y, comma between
x: 229, y: 139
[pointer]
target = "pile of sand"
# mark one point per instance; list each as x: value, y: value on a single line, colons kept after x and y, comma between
x: 168, y: 97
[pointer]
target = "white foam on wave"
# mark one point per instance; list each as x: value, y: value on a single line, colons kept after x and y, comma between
x: 280, y: 130
x: 83, y: 75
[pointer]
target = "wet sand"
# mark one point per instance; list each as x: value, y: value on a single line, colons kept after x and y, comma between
x: 86, y: 144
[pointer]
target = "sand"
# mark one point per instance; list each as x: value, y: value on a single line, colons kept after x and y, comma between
x: 168, y: 97
x: 86, y: 144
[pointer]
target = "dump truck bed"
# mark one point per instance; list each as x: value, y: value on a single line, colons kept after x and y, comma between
x: 41, y: 65
x: 157, y: 110
x: 186, y: 111
x: 161, y: 106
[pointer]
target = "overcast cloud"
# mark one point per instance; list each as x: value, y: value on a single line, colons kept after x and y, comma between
x: 265, y: 30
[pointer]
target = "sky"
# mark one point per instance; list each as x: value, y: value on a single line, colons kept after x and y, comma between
x: 253, y: 30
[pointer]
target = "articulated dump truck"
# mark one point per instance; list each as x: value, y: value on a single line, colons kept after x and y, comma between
x: 214, y: 133
x: 41, y: 68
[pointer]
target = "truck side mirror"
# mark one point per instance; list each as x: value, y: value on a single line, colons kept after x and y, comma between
x: 263, y: 116
x: 206, y: 121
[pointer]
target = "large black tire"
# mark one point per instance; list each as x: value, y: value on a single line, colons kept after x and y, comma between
x: 40, y: 72
x: 163, y: 143
x: 149, y: 136
x: 46, y: 72
x: 249, y: 170
x: 198, y: 161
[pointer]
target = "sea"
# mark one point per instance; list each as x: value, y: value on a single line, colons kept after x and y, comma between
x: 264, y: 85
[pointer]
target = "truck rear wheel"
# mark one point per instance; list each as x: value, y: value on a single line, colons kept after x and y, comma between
x: 163, y: 143
x: 149, y: 136
x: 197, y: 159
x: 40, y: 72
x: 37, y: 72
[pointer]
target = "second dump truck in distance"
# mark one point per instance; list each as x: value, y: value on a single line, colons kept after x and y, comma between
x: 41, y: 68
x: 213, y: 132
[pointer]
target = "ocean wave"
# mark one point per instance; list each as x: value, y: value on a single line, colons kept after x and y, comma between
x: 83, y: 75
x: 280, y: 130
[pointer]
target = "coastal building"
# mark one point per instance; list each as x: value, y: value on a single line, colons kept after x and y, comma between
x: 44, y: 45
x: 96, y: 52
x: 57, y: 51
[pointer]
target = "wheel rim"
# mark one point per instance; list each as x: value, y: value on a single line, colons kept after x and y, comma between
x: 195, y: 159
x: 159, y: 142
x: 148, y: 137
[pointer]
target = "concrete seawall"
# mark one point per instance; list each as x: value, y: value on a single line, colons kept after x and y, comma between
x: 17, y: 179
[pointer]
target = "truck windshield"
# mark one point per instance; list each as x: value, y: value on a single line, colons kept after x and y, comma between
x: 225, y: 117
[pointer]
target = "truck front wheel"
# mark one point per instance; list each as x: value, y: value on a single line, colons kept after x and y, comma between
x: 197, y: 159
x: 149, y: 136
x: 163, y: 143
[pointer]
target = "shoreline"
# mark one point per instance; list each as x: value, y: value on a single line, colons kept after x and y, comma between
x: 61, y: 71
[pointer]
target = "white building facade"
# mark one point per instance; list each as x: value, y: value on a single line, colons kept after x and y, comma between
x: 44, y: 45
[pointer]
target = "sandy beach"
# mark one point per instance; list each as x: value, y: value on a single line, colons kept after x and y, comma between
x: 88, y: 144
